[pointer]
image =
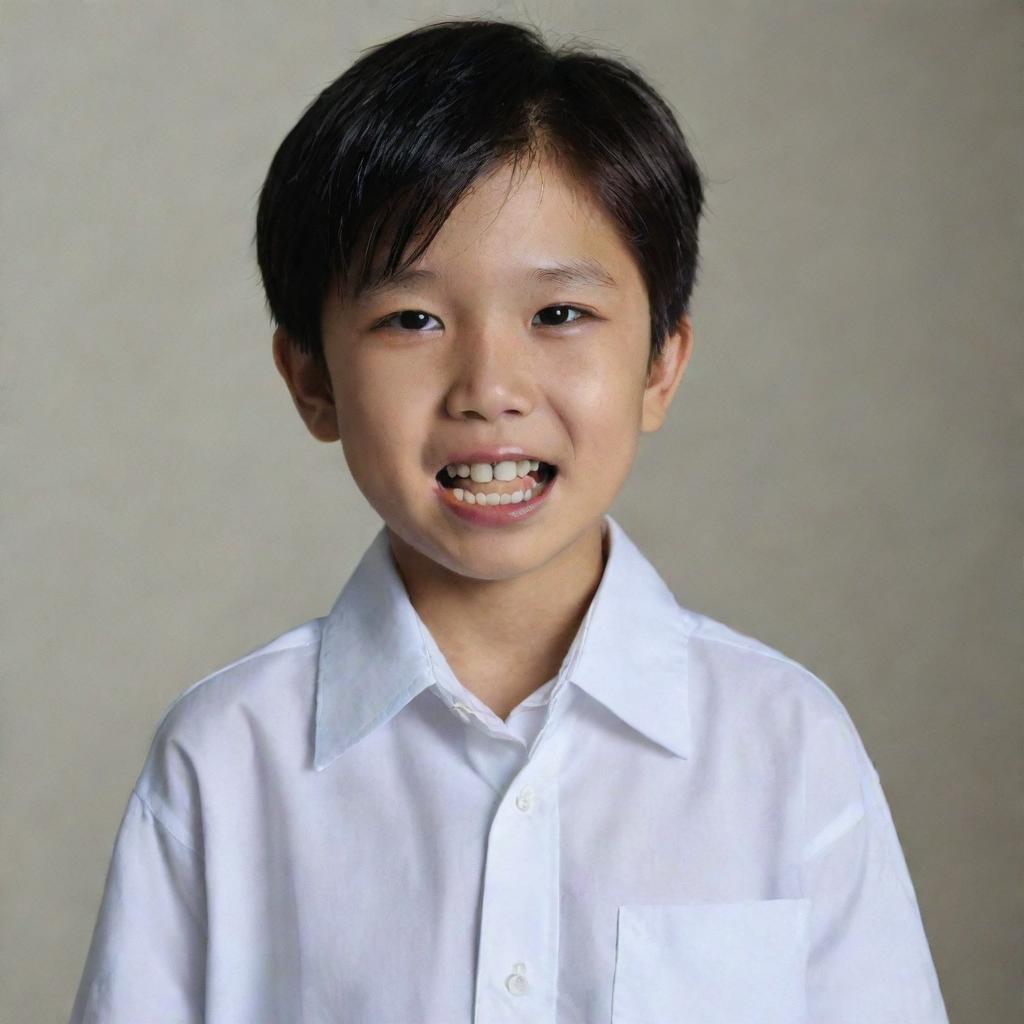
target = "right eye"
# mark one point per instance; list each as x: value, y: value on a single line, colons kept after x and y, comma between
x: 411, y: 320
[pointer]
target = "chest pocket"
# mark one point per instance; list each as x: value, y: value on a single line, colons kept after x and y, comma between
x: 711, y: 963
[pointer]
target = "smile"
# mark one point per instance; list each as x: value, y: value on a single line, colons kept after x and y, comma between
x: 497, y: 502
x: 500, y: 483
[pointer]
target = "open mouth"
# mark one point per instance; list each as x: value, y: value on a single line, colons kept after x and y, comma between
x: 542, y: 475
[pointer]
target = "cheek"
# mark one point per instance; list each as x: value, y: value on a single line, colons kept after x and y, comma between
x: 602, y: 425
x: 604, y: 403
x: 382, y: 424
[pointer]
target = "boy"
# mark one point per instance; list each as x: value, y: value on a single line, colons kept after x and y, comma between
x: 508, y: 777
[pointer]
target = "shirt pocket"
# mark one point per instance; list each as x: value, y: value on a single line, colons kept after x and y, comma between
x: 711, y: 963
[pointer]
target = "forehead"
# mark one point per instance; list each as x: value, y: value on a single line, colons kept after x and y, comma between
x: 538, y: 205
x: 532, y: 224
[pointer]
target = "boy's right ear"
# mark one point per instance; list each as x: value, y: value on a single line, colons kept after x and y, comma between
x: 310, y: 386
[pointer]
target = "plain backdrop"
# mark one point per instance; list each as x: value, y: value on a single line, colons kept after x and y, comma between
x: 837, y: 476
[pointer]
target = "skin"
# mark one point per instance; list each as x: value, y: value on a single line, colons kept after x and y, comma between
x: 494, y: 363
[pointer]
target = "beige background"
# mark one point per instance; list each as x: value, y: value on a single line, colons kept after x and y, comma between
x: 837, y: 476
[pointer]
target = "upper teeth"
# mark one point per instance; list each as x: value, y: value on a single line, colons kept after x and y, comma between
x: 485, y: 472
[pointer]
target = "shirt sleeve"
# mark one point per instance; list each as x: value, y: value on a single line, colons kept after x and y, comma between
x: 146, y: 961
x: 868, y: 959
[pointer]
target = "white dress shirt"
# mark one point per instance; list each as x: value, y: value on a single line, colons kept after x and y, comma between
x: 681, y: 827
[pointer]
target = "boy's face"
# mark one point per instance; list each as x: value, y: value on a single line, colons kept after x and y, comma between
x: 492, y: 363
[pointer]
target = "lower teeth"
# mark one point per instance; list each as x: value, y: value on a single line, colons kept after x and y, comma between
x: 516, y: 498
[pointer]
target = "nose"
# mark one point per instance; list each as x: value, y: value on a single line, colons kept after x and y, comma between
x: 490, y: 375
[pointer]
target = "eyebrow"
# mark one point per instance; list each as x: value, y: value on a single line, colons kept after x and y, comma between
x: 577, y: 271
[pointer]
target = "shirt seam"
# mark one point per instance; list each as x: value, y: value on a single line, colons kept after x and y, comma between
x: 163, y: 825
x: 759, y: 651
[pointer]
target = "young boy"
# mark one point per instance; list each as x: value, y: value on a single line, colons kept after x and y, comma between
x: 508, y: 778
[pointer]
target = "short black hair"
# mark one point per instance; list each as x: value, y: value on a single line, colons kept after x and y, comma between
x: 386, y: 151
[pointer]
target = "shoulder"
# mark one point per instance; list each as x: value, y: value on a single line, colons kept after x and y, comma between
x: 748, y: 665
x: 754, y: 705
x: 261, y: 674
x: 740, y: 679
x: 206, y: 736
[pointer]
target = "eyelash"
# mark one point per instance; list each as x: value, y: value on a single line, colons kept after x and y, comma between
x: 584, y: 315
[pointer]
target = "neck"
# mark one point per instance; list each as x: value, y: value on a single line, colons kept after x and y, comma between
x: 505, y: 638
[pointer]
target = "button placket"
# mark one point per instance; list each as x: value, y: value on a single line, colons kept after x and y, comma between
x: 519, y: 924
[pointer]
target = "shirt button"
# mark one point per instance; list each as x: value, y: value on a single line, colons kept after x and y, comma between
x: 524, y: 801
x: 516, y: 982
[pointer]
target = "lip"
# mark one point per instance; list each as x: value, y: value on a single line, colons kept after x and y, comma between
x: 504, y: 453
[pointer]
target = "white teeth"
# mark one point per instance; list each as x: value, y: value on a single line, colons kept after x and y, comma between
x: 470, y: 498
x: 485, y: 472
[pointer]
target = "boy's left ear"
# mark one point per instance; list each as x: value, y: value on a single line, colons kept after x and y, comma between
x: 665, y: 374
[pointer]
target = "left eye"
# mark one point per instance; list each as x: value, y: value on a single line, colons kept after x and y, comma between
x: 562, y: 310
x: 415, y: 319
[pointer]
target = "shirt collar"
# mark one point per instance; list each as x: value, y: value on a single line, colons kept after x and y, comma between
x: 632, y: 650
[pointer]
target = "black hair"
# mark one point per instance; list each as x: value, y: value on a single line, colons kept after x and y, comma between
x: 385, y: 152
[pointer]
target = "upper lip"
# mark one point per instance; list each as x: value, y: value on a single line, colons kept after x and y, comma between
x: 501, y: 453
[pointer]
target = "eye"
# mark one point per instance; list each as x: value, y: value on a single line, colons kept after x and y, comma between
x: 414, y: 320
x: 410, y: 320
x: 562, y: 315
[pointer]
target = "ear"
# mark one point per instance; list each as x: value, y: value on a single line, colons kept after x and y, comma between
x: 665, y: 374
x: 310, y: 386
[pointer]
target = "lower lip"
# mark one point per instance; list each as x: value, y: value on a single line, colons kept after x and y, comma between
x: 493, y: 515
